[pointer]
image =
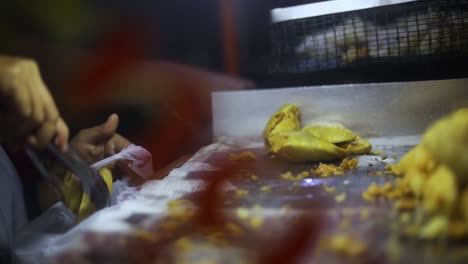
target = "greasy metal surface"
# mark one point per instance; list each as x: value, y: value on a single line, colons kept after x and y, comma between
x: 309, y: 192
x: 378, y: 231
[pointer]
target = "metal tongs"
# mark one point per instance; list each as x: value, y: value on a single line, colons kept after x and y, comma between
x: 90, y: 179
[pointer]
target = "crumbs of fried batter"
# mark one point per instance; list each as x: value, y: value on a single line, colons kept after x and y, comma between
x: 241, y: 193
x: 173, y: 204
x: 376, y: 172
x: 405, y: 218
x: 180, y: 210
x: 394, y: 194
x: 374, y: 191
x: 242, y: 213
x: 183, y: 244
x: 340, y: 197
x: 367, y: 197
x: 436, y: 226
x: 344, y: 223
x: 302, y: 175
x: 344, y: 245
x: 406, y: 204
x: 327, y: 170
x: 290, y: 177
x: 243, y: 156
x: 287, y: 176
x: 349, y: 163
x: 329, y: 189
x: 387, y: 187
x: 256, y: 222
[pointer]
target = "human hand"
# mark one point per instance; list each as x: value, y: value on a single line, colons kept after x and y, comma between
x: 96, y: 143
x: 28, y: 112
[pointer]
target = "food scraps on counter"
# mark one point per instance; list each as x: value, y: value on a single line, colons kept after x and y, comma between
x: 433, y: 177
x: 327, y: 170
x: 344, y: 245
x: 243, y: 156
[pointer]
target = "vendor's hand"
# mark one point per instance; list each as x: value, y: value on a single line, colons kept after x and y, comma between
x: 96, y: 143
x: 27, y: 110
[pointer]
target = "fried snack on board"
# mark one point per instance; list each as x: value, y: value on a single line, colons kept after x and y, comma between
x: 326, y: 141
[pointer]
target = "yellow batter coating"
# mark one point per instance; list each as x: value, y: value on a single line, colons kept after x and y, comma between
x: 286, y: 119
x: 332, y: 134
x: 320, y: 142
x: 298, y: 146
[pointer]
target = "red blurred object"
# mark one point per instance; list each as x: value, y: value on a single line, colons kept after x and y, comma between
x: 302, y: 235
x: 231, y: 53
x: 179, y: 95
x: 118, y: 51
x: 211, y: 201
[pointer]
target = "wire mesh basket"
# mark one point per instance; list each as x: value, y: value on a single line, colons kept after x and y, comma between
x: 412, y: 32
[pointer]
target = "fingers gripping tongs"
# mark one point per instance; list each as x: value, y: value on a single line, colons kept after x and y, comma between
x: 90, y: 179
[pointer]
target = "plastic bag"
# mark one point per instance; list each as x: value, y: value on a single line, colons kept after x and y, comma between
x: 53, y: 230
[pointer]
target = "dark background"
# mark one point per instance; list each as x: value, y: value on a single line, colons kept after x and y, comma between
x: 187, y: 32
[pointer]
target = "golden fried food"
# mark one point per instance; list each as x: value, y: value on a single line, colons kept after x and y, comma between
x: 435, y: 174
x: 447, y: 140
x: 328, y: 141
x: 349, y: 163
x: 417, y: 181
x: 286, y: 119
x: 333, y: 134
x: 298, y: 146
x: 327, y: 170
x: 436, y: 227
x: 340, y: 197
x: 440, y: 191
x: 328, y: 189
x: 358, y: 147
x: 417, y: 158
